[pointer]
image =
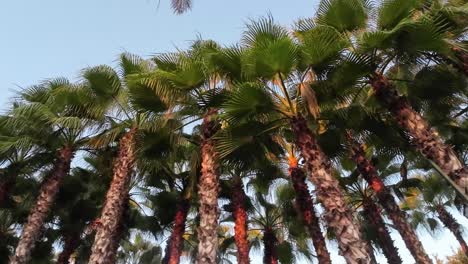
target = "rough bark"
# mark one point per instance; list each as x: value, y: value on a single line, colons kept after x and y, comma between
x: 425, y: 139
x: 39, y: 212
x: 451, y: 224
x: 176, y: 241
x: 118, y: 233
x: 309, y: 217
x: 270, y: 255
x: 240, y: 222
x: 70, y: 244
x: 385, y: 198
x: 374, y: 218
x: 208, y: 189
x: 337, y: 214
x: 103, y: 250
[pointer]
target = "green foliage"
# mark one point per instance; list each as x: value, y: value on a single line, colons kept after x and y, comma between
x: 344, y: 15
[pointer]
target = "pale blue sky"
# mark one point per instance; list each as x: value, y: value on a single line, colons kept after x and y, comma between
x: 56, y: 38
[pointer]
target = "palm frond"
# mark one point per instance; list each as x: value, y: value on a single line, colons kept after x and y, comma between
x: 181, y: 6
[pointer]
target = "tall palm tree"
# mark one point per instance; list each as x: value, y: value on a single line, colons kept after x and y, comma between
x: 127, y: 96
x: 240, y: 219
x: 432, y: 202
x: 306, y: 206
x: 19, y: 159
x: 361, y: 196
x: 271, y: 59
x: 369, y: 173
x: 58, y: 110
x: 197, y: 79
x: 280, y: 233
x: 400, y: 38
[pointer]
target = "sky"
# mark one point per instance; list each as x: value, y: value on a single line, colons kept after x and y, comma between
x: 56, y: 38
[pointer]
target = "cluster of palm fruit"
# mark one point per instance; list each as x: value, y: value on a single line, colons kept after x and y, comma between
x: 206, y: 151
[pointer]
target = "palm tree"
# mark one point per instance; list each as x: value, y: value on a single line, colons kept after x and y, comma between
x: 196, y: 80
x: 141, y: 111
x: 20, y: 159
x: 305, y: 204
x: 280, y: 232
x: 240, y: 219
x: 398, y: 217
x: 57, y: 110
x: 400, y: 38
x: 432, y: 202
x: 362, y: 197
x: 80, y: 199
x: 182, y: 166
x: 271, y: 59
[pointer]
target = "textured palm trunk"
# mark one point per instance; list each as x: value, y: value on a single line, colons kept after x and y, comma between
x: 337, y: 213
x: 270, y: 254
x: 240, y: 222
x: 39, y: 212
x: 71, y: 243
x: 398, y: 217
x: 451, y: 224
x: 176, y: 241
x: 374, y: 218
x: 208, y: 189
x: 103, y: 250
x: 309, y: 217
x: 425, y: 138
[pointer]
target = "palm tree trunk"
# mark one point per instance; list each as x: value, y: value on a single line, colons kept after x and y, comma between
x: 270, y: 255
x: 306, y: 206
x: 398, y: 217
x: 240, y: 219
x: 208, y: 189
x: 116, y: 200
x: 71, y: 243
x: 175, y: 245
x: 374, y: 218
x: 425, y: 138
x: 451, y: 223
x: 329, y: 194
x: 39, y: 212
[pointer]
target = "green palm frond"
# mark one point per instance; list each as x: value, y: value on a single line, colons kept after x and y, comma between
x: 321, y: 44
x: 144, y: 99
x: 270, y: 49
x: 247, y: 101
x: 103, y: 81
x: 344, y: 15
x: 353, y: 67
x: 263, y: 30
x: 132, y: 64
x: 392, y: 12
x: 268, y: 59
x: 23, y: 143
x: 285, y: 253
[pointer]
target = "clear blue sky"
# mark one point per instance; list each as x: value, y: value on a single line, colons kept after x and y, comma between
x: 56, y: 38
